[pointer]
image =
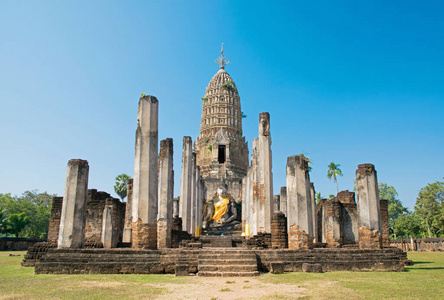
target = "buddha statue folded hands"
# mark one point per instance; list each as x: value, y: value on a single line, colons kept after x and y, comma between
x: 220, y: 210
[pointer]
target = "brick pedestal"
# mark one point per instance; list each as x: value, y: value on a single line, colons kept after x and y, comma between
x: 279, y: 236
x: 369, y: 239
x: 298, y: 239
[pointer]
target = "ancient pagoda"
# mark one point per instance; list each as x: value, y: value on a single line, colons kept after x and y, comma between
x: 221, y: 150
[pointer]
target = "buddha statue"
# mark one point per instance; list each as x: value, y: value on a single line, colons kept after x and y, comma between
x: 221, y: 210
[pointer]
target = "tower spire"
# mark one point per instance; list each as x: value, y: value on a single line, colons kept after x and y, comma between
x: 222, y: 61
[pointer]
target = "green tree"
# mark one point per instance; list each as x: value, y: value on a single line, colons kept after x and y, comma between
x: 3, y: 221
x: 36, y: 206
x: 121, y: 186
x: 407, y: 224
x: 318, y: 197
x: 334, y: 171
x: 16, y: 223
x: 429, y: 208
x: 395, y: 208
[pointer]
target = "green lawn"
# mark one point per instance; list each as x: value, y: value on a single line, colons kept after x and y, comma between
x: 424, y: 280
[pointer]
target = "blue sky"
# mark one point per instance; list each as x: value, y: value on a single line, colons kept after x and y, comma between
x: 346, y: 82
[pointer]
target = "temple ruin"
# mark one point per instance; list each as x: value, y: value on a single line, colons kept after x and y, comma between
x: 227, y: 221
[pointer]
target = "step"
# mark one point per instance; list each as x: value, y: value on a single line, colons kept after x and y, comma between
x: 231, y: 268
x: 227, y: 255
x: 227, y: 261
x: 228, y: 274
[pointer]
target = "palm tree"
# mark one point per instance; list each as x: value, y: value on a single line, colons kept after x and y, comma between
x: 121, y: 185
x: 318, y: 197
x: 334, y: 171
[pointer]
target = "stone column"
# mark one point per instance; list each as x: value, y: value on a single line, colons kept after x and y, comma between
x: 283, y: 200
x: 247, y: 201
x: 262, y: 177
x: 313, y: 210
x: 244, y: 204
x: 176, y: 207
x: 193, y: 192
x: 199, y: 203
x: 185, y: 184
x: 332, y: 223
x: 368, y: 207
x: 145, y: 198
x: 166, y: 190
x: 299, y: 208
x: 276, y: 202
x: 72, y: 220
x: 127, y: 230
x: 109, y: 226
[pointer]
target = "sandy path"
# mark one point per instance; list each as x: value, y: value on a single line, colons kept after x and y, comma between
x: 228, y: 288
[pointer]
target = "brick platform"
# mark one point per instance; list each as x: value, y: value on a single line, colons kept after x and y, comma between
x: 132, y: 261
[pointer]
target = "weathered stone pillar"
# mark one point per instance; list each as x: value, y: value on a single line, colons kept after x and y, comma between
x: 313, y: 210
x: 246, y: 204
x: 262, y: 178
x: 166, y: 190
x: 176, y: 207
x: 109, y: 226
x: 145, y: 202
x: 276, y: 202
x: 332, y: 223
x: 198, y: 204
x: 368, y: 207
x: 127, y: 230
x: 193, y: 192
x: 283, y: 200
x: 299, y: 207
x: 279, y: 236
x: 72, y: 220
x: 186, y: 179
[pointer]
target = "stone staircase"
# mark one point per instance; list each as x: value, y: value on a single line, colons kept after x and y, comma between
x: 227, y: 263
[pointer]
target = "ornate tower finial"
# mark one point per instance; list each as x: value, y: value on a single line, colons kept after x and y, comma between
x: 222, y: 61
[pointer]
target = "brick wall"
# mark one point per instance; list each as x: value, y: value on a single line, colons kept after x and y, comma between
x: 383, y: 204
x: 54, y: 219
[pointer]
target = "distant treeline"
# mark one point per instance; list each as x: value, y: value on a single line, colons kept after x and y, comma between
x: 26, y: 215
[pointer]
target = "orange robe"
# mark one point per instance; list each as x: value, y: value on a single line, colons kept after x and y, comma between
x: 220, y: 208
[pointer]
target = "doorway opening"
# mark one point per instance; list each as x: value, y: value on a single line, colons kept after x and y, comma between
x: 221, y: 154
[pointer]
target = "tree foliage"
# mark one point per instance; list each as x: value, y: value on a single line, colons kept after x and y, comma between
x: 334, y: 171
x: 395, y: 208
x: 30, y: 213
x: 17, y: 223
x: 429, y: 208
x: 407, y: 224
x: 318, y: 197
x: 3, y: 220
x: 121, y: 186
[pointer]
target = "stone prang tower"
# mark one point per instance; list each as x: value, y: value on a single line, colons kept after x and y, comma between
x: 222, y: 153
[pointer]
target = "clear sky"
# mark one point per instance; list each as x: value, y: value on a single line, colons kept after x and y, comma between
x: 344, y: 81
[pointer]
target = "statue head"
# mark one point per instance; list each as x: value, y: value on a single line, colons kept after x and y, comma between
x: 222, y: 190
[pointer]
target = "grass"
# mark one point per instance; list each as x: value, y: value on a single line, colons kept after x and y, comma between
x: 17, y: 282
x: 424, y: 280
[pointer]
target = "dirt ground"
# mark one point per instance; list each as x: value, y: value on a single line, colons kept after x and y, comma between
x: 228, y: 288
